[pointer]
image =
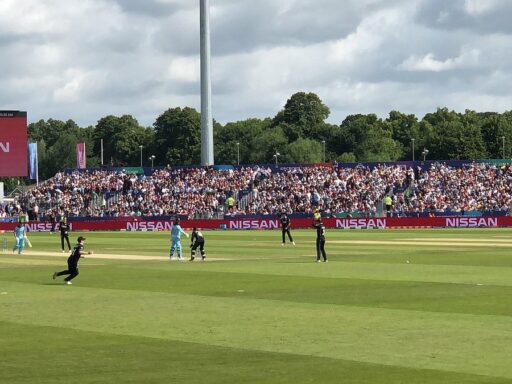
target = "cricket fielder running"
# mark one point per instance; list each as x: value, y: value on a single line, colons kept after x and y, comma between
x: 176, y: 232
x: 72, y: 270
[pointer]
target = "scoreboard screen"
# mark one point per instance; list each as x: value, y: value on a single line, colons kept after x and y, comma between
x: 13, y: 143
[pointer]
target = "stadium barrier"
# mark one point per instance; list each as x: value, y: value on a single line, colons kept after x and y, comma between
x: 156, y: 224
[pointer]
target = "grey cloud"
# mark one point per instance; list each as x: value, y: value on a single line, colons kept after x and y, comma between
x: 123, y: 89
x: 18, y: 38
x: 178, y: 35
x: 153, y: 8
x: 117, y: 58
x: 244, y: 26
x: 453, y: 14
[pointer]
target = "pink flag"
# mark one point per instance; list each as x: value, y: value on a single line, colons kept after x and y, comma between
x: 80, y: 155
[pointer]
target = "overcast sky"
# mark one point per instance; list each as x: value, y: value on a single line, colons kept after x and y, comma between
x: 86, y: 59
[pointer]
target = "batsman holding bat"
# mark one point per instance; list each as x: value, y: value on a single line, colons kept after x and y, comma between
x: 72, y: 270
x: 19, y: 235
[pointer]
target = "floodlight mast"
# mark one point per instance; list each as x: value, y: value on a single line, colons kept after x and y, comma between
x: 206, y: 86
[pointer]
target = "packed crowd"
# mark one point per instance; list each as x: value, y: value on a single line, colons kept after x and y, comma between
x: 440, y: 189
x: 477, y: 187
x: 208, y: 193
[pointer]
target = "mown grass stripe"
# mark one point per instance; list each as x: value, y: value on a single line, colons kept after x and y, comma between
x: 92, y: 356
x: 410, y: 295
x: 413, y: 339
x: 366, y: 305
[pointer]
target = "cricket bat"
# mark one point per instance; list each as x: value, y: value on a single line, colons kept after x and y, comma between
x: 28, y: 242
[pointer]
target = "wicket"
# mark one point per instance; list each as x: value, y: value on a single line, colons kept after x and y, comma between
x: 4, y: 245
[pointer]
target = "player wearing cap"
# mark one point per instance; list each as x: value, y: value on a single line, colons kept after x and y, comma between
x: 72, y: 270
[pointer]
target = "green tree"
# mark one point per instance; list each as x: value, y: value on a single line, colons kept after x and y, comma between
x: 300, y: 115
x: 241, y: 132
x: 51, y: 131
x: 266, y: 145
x: 353, y: 132
x: 347, y: 157
x: 471, y: 140
x: 446, y: 128
x: 57, y: 145
x: 122, y: 138
x: 368, y: 138
x: 454, y: 136
x: 494, y: 127
x: 61, y: 155
x: 303, y: 151
x: 378, y: 145
x: 178, y: 136
x: 330, y: 134
x: 11, y: 183
x: 405, y: 131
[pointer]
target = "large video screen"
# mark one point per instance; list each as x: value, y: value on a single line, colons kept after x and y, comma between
x: 13, y: 143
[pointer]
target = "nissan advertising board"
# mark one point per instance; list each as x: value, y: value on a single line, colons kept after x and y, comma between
x: 13, y: 143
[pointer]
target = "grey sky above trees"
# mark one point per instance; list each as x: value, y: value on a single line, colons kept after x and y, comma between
x: 87, y: 59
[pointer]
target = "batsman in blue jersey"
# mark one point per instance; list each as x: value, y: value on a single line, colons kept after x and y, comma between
x: 19, y: 235
x: 176, y: 232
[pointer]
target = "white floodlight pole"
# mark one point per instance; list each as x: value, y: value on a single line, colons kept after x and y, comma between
x: 206, y: 86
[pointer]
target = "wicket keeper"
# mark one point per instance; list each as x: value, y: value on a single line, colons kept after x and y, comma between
x: 197, y: 240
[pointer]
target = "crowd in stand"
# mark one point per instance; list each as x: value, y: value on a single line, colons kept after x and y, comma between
x: 477, y: 187
x: 207, y: 193
x: 333, y: 189
x: 190, y: 192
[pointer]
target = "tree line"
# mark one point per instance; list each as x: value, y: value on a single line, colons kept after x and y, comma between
x: 298, y: 133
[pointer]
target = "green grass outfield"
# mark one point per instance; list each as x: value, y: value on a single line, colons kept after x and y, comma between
x: 393, y: 306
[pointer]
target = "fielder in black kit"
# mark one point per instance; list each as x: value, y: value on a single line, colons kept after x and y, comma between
x: 320, y: 241
x: 72, y: 270
x: 64, y: 234
x: 197, y: 241
x: 285, y: 228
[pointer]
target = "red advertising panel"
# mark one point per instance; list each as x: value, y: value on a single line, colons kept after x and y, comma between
x: 13, y: 143
x: 156, y: 224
